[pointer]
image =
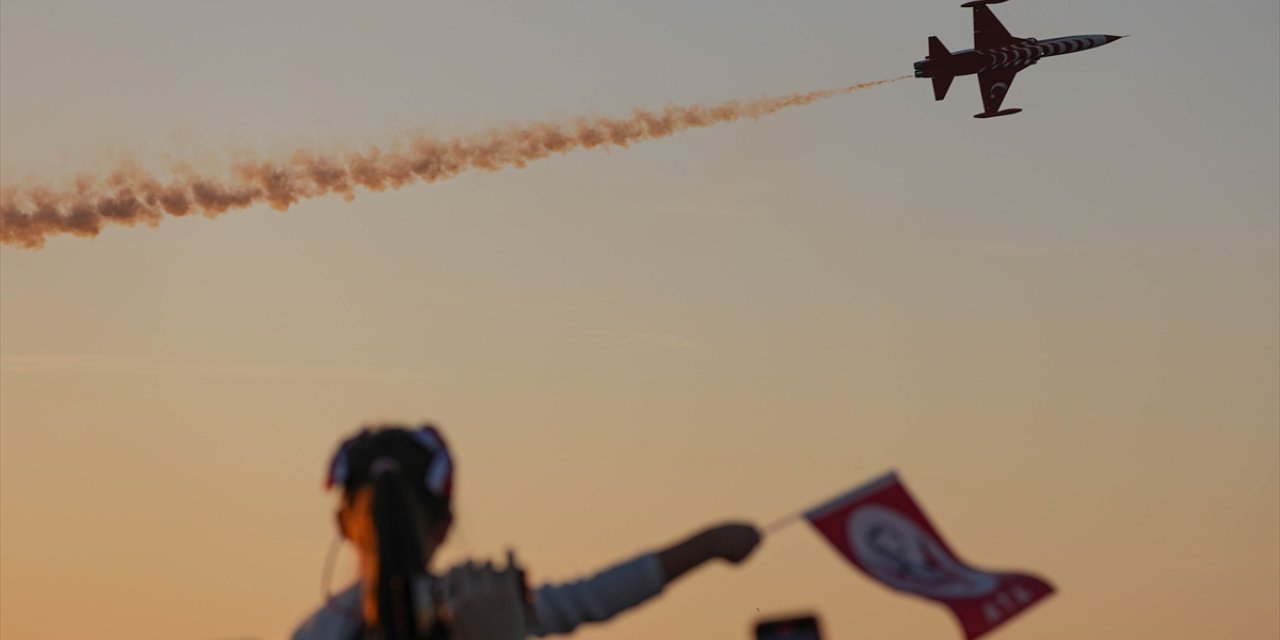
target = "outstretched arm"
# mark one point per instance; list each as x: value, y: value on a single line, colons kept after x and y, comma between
x: 732, y: 542
x: 560, y: 608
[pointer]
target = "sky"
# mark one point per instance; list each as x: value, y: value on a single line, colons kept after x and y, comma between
x: 1061, y: 328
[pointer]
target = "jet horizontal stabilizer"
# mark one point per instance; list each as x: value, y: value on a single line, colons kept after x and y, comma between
x: 940, y: 86
x: 975, y: 3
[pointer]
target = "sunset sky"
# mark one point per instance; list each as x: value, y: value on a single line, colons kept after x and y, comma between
x: 1061, y: 328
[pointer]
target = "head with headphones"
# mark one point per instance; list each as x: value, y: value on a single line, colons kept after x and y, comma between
x: 396, y: 508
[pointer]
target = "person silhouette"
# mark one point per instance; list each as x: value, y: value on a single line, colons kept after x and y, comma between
x: 396, y: 509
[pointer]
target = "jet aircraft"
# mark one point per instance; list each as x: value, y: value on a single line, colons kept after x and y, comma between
x: 996, y: 57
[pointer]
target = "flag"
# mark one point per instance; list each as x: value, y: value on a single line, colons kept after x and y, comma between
x: 882, y: 531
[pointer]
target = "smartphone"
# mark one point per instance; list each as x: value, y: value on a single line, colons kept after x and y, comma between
x: 803, y: 627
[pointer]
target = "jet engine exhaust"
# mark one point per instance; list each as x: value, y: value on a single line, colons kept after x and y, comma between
x: 128, y: 195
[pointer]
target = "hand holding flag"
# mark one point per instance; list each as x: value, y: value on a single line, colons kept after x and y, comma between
x: 734, y: 541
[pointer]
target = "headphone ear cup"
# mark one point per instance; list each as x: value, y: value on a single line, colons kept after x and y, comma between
x: 337, y: 476
x: 439, y: 479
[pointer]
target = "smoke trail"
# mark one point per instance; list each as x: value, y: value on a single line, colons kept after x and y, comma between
x: 129, y: 195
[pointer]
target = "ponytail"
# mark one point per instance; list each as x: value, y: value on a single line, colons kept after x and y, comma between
x: 399, y: 553
x: 395, y: 482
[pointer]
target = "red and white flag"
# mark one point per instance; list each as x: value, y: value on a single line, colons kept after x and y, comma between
x: 880, y: 529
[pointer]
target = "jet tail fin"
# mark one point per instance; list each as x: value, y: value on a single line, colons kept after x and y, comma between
x: 937, y: 49
x: 940, y: 86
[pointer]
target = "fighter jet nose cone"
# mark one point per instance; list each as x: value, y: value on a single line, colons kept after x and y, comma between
x: 1111, y: 39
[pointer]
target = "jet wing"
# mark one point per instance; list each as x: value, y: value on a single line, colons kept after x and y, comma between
x: 994, y: 85
x: 988, y: 33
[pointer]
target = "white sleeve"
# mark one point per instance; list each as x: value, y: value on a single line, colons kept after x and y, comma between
x: 562, y: 607
x: 337, y: 619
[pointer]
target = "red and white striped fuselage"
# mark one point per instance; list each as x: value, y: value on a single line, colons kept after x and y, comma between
x: 996, y: 57
x: 1021, y: 54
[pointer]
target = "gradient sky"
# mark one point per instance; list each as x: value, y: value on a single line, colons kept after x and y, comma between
x: 1062, y: 328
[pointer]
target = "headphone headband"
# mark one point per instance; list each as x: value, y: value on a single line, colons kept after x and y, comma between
x: 438, y: 479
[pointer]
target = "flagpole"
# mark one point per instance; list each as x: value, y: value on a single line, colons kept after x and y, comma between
x: 791, y: 518
x: 783, y: 522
